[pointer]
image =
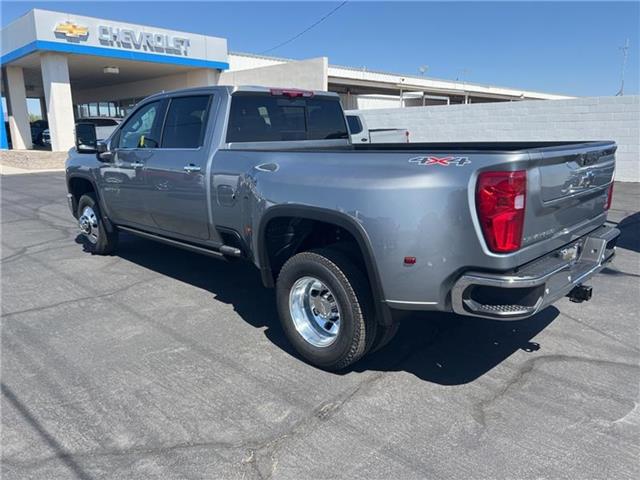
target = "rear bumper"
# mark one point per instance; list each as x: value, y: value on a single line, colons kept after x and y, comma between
x: 528, y: 289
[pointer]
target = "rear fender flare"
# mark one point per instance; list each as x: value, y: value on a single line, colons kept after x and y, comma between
x: 339, y: 219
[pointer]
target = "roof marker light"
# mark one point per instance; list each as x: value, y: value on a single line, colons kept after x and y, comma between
x: 291, y: 92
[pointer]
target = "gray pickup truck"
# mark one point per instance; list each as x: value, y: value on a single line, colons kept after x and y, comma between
x: 349, y: 235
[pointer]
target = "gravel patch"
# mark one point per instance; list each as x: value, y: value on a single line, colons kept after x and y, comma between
x: 33, y: 159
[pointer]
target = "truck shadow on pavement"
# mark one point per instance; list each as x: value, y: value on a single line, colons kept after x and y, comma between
x: 449, y: 349
x: 442, y: 348
x: 630, y: 232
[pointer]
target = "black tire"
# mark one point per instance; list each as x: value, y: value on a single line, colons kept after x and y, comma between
x: 385, y: 334
x: 352, y: 294
x: 106, y: 242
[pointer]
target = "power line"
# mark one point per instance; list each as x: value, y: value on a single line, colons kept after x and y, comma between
x: 307, y: 29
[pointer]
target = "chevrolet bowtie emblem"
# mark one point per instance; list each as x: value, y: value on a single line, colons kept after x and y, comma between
x: 71, y: 30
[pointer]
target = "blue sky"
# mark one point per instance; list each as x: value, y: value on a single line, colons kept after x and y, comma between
x: 570, y: 47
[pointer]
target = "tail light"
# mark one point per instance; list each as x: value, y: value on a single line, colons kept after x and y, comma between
x: 500, y: 200
x: 609, y: 196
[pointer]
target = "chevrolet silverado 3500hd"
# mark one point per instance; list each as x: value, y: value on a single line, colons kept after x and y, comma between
x: 349, y: 234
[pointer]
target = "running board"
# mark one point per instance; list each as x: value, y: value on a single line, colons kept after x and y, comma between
x: 223, y: 251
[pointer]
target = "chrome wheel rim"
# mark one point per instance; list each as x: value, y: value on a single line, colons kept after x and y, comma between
x: 88, y: 223
x: 314, y: 311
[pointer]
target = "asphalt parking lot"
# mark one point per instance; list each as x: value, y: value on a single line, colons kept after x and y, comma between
x: 158, y: 363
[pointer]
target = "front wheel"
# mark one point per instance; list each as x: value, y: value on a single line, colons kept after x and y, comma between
x: 326, y: 308
x: 97, y: 239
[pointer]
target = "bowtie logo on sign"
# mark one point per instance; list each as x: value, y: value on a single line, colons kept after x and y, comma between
x: 71, y: 31
x: 152, y: 42
x: 441, y: 161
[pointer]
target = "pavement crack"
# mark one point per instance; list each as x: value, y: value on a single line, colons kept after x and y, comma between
x: 263, y: 457
x: 631, y: 417
x: 77, y: 300
x: 118, y: 452
x: 479, y: 408
x: 601, y: 332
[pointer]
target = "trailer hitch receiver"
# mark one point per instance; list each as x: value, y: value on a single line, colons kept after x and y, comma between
x: 580, y: 293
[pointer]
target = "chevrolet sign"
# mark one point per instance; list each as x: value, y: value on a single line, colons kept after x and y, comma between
x: 155, y: 42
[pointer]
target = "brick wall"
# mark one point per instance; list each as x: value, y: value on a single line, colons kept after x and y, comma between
x: 592, y: 118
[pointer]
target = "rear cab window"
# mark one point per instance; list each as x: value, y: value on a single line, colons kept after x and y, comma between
x: 263, y: 117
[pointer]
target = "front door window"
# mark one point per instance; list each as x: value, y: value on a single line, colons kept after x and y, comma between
x: 141, y: 130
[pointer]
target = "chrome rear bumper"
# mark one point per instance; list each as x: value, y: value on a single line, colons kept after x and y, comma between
x: 528, y: 289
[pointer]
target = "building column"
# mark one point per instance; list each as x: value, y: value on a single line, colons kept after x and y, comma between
x: 59, y: 105
x: 17, y: 106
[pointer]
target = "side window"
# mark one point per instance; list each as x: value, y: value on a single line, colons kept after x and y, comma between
x: 141, y: 129
x: 355, y: 125
x: 186, y: 121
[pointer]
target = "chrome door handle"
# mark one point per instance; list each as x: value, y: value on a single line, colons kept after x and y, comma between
x: 137, y: 164
x: 191, y: 168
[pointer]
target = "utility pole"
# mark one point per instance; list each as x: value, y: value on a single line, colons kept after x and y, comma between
x: 625, y: 54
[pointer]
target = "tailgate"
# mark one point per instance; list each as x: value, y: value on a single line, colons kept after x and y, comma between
x: 568, y: 189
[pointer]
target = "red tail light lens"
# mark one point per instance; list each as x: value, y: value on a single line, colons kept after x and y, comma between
x: 500, y: 200
x: 609, y: 196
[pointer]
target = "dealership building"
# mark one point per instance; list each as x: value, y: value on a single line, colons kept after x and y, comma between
x: 79, y: 66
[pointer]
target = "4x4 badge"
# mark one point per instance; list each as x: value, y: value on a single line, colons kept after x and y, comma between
x: 444, y: 161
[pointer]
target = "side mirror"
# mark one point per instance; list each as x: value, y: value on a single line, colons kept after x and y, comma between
x: 102, y: 152
x: 86, y: 137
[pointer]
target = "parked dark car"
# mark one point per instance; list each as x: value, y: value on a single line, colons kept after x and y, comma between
x: 37, y: 129
x: 6, y: 129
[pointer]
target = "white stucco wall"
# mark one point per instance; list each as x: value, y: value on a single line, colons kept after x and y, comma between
x: 306, y: 74
x: 592, y: 118
x: 244, y: 61
x: 371, y: 102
